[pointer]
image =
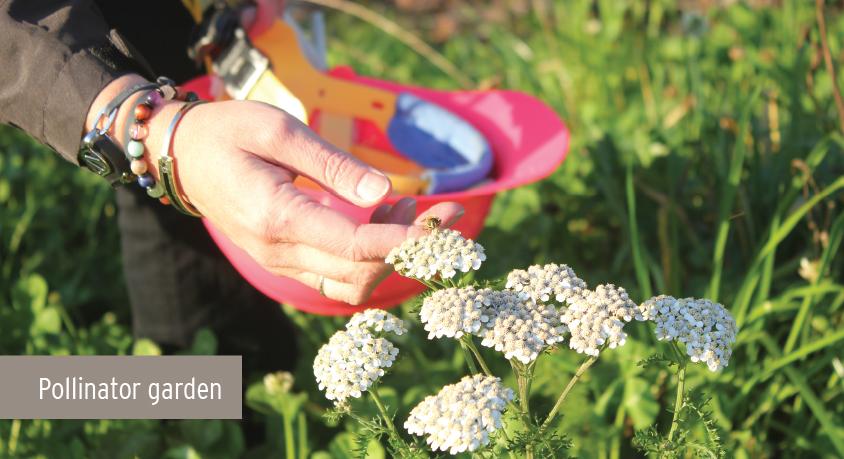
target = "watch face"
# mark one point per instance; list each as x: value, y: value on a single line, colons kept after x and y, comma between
x: 95, y: 162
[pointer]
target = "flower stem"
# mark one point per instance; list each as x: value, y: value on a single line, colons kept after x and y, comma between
x: 289, y: 443
x: 522, y: 379
x: 467, y: 341
x: 468, y: 357
x: 373, y: 393
x: 582, y: 369
x: 678, y: 402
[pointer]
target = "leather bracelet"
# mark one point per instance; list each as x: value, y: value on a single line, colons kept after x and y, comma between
x: 167, y: 165
x: 99, y: 153
x: 113, y: 106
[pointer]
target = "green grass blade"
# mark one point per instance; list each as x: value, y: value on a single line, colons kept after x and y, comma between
x: 803, y: 351
x: 743, y: 298
x: 635, y: 243
x: 785, y: 301
x: 835, y: 236
x: 823, y: 416
x: 727, y: 200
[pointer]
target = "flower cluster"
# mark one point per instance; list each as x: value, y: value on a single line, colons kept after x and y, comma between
x: 597, y: 317
x: 521, y: 328
x: 707, y: 330
x: 542, y: 283
x: 453, y: 312
x: 443, y: 252
x: 377, y: 321
x: 461, y: 416
x: 354, y: 359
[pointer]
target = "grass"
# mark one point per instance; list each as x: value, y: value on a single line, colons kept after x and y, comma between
x: 707, y: 160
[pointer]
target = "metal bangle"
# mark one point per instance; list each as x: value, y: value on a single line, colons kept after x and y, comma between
x: 167, y: 166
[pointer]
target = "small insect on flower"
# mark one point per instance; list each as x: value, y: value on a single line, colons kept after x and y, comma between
x: 442, y: 253
x: 461, y: 416
x: 431, y: 223
x: 705, y: 328
x: 597, y: 317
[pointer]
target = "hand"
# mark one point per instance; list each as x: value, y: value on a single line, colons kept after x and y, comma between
x: 236, y: 162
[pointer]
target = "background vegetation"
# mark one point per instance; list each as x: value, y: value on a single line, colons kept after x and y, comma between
x: 706, y: 161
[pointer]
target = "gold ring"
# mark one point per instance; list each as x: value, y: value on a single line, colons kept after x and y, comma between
x: 322, y: 285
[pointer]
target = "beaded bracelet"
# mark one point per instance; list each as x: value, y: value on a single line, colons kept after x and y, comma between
x: 137, y: 131
x: 167, y: 165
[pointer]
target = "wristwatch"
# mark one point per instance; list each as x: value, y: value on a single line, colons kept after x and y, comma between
x: 99, y: 153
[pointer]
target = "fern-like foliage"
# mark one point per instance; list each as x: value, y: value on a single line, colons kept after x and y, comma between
x: 657, y: 360
x: 415, y: 305
x: 547, y: 443
x: 334, y: 415
x: 696, y: 403
x: 374, y: 429
x: 370, y: 429
x: 693, y: 410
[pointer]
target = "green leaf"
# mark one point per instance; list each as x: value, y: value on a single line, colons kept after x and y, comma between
x: 47, y: 321
x: 30, y: 293
x: 204, y: 343
x: 145, y: 346
x: 182, y: 452
x: 201, y: 433
x: 640, y: 403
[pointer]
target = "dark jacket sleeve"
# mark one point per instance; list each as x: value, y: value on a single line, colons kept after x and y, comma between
x: 55, y: 57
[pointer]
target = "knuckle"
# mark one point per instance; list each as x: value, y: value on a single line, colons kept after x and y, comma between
x: 357, y: 296
x: 280, y: 131
x: 275, y: 223
x: 367, y: 276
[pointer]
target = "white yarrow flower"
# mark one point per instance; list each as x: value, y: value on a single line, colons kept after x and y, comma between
x: 351, y: 362
x: 376, y: 321
x: 597, y: 317
x: 544, y: 283
x: 706, y: 329
x: 453, y: 312
x: 443, y: 252
x: 521, y: 328
x: 461, y: 416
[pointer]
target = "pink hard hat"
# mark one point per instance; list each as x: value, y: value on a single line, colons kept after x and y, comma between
x: 528, y: 140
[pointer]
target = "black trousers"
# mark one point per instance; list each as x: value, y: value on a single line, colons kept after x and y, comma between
x: 179, y: 282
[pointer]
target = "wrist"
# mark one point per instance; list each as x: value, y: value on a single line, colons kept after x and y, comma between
x: 109, y: 92
x: 156, y: 123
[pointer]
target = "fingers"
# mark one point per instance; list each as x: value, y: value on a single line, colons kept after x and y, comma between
x: 447, y: 212
x: 332, y: 289
x: 403, y: 212
x: 331, y: 232
x: 380, y: 214
x: 302, y: 258
x: 290, y: 144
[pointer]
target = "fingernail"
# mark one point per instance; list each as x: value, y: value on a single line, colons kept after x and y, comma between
x: 409, y: 213
x: 373, y: 186
x: 454, y: 219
